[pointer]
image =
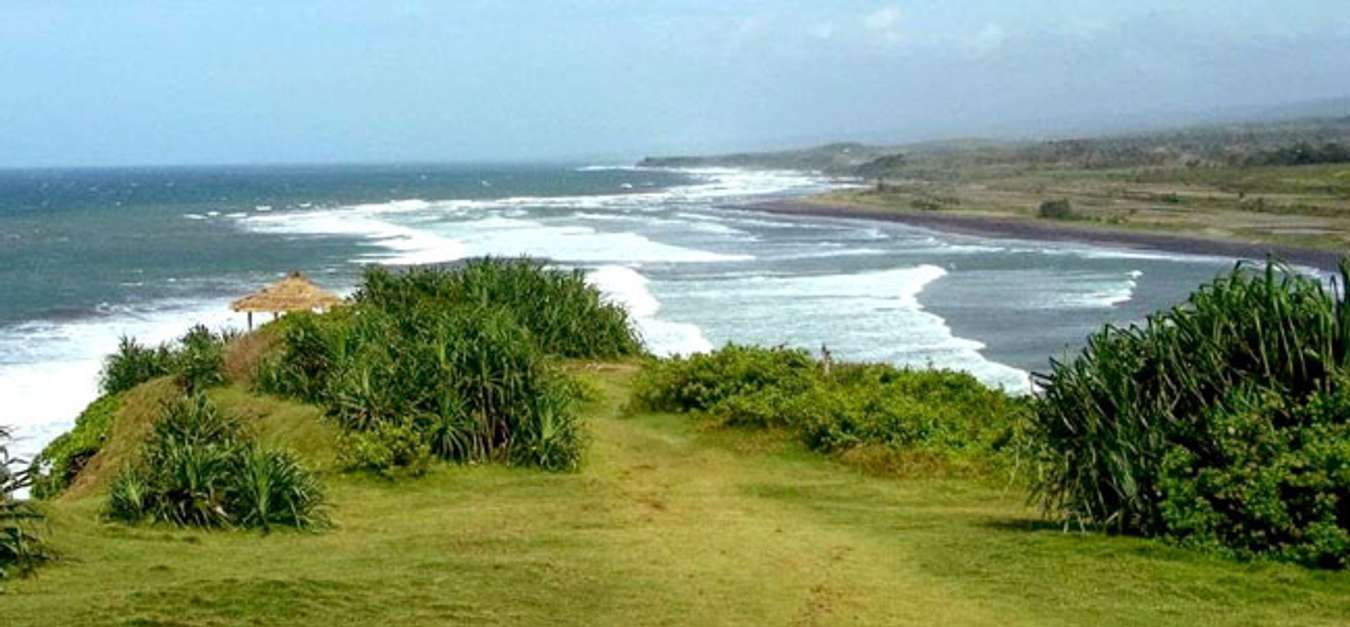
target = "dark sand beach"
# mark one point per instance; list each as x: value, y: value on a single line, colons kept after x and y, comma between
x: 1045, y: 230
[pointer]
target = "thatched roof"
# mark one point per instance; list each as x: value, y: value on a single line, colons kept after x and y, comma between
x: 293, y: 293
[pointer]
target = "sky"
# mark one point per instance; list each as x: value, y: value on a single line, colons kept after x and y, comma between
x: 146, y: 83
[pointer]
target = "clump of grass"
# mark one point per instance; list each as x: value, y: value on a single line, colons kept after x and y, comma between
x: 53, y: 470
x: 198, y: 468
x: 21, y: 549
x: 1220, y: 423
x: 941, y: 421
x: 455, y: 362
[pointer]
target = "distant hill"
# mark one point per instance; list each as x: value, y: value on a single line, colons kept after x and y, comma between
x: 1215, y: 143
x: 837, y: 158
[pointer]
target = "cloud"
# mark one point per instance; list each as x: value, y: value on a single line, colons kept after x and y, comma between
x: 824, y: 30
x: 885, y: 22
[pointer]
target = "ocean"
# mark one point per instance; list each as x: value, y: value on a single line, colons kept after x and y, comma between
x: 87, y: 256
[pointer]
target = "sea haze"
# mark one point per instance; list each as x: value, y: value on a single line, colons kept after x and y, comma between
x: 87, y: 256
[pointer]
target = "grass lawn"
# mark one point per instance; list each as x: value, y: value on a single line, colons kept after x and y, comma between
x: 670, y: 522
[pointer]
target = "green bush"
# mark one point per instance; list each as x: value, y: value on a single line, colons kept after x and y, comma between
x: 452, y: 359
x: 196, y: 360
x: 1058, y: 209
x: 700, y: 382
x: 198, y: 468
x: 21, y: 548
x: 55, y: 468
x: 948, y: 416
x: 566, y: 316
x: 133, y: 365
x: 199, y: 363
x: 388, y: 448
x: 1220, y: 422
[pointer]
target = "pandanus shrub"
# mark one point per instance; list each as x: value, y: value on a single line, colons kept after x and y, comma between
x: 21, y: 548
x: 1221, y: 422
x: 196, y: 360
x: 199, y: 468
x: 566, y: 316
x: 458, y: 363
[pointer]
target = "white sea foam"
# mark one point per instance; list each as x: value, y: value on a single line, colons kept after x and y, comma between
x: 1092, y: 291
x: 443, y: 231
x: 627, y: 287
x: 576, y: 244
x: 872, y: 316
x: 403, y: 245
x: 49, y: 370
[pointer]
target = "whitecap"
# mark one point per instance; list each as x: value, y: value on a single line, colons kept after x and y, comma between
x: 627, y: 287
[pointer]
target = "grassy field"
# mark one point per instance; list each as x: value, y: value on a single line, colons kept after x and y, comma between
x: 669, y: 522
x: 1300, y: 206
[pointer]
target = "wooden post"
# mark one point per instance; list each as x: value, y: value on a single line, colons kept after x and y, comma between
x: 250, y: 321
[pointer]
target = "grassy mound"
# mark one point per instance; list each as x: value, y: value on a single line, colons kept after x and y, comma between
x: 456, y: 364
x: 61, y: 461
x: 886, y: 418
x: 1222, y: 422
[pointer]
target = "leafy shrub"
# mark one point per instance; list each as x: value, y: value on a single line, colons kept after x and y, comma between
x: 199, y: 469
x: 199, y: 363
x: 1220, y: 422
x: 1058, y: 209
x: 20, y: 547
x: 55, y: 468
x: 948, y: 416
x: 388, y: 448
x: 272, y: 488
x: 196, y: 360
x: 700, y: 382
x: 566, y: 316
x: 133, y: 365
x: 441, y: 357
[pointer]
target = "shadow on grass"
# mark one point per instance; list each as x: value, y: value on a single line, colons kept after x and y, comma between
x: 1024, y: 524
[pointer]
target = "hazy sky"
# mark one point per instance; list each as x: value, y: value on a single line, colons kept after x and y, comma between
x: 134, y: 82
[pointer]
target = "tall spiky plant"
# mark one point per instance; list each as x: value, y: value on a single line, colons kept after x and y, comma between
x: 1143, y: 414
x: 20, y: 546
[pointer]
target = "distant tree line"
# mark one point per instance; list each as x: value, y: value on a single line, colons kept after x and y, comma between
x: 1303, y: 153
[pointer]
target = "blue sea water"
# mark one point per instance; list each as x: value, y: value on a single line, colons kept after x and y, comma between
x: 89, y: 255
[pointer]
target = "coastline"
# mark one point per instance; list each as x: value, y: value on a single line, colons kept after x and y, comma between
x: 1004, y: 227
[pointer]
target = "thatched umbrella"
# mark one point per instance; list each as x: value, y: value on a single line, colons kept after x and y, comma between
x: 293, y: 293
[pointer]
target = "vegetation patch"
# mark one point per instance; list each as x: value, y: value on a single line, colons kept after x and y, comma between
x: 456, y: 363
x: 1219, y: 423
x: 879, y: 416
x: 1058, y: 209
x: 56, y: 467
x: 20, y: 546
x: 196, y: 361
x: 198, y: 468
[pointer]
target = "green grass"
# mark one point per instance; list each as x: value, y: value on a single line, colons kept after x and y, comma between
x: 669, y: 522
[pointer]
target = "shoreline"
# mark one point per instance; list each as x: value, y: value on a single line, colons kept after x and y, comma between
x: 1049, y: 231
